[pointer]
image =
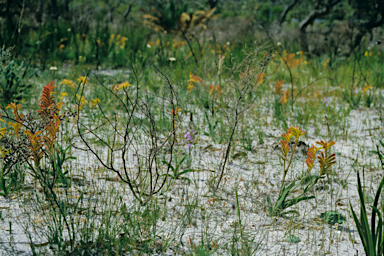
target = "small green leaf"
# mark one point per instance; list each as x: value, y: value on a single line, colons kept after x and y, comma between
x: 293, y: 239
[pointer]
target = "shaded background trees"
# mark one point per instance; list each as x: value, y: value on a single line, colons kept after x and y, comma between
x: 48, y: 29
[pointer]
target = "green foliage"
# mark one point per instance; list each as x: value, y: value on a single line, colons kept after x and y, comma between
x: 5, y: 183
x: 332, y: 217
x: 279, y: 113
x: 176, y: 173
x: 293, y: 239
x: 144, y: 219
x: 11, y: 178
x: 283, y: 203
x: 268, y: 12
x: 371, y: 237
x: 13, y: 85
x: 212, y: 127
x: 59, y: 161
x: 352, y: 98
x: 168, y: 14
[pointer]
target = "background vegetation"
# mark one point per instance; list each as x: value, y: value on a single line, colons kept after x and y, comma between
x: 166, y: 97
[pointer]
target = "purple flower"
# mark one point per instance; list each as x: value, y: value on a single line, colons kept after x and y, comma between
x: 325, y: 101
x: 189, y: 138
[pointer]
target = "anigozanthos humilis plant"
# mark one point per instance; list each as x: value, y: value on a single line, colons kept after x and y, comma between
x: 120, y: 86
x: 193, y: 79
x: 279, y: 87
x: 310, y: 161
x: 284, y: 99
x: 291, y: 132
x: 36, y: 146
x: 325, y: 160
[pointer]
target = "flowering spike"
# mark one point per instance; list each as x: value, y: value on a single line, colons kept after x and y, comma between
x: 47, y: 100
x: 325, y: 145
x: 120, y: 86
x: 83, y: 79
x: 284, y: 147
x: 2, y: 132
x: 14, y: 107
x: 52, y: 130
x: 287, y: 137
x: 37, y: 153
x: 279, y: 87
x: 260, y: 78
x: 284, y: 98
x: 296, y: 131
x: 310, y: 161
x: 326, y: 163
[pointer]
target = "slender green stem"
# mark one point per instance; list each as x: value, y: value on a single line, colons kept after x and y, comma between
x: 289, y: 164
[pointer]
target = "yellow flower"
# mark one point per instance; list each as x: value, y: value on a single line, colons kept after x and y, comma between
x: 193, y: 79
x: 120, y: 86
x: 122, y: 42
x: 310, y: 161
x: 284, y: 99
x: 2, y: 132
x: 284, y: 147
x: 366, y: 88
x: 111, y: 39
x: 94, y: 102
x: 325, y: 145
x: 62, y: 95
x: 190, y: 87
x: 260, y: 78
x: 296, y: 131
x: 370, y: 53
x: 68, y: 82
x: 287, y: 137
x: 83, y: 79
x: 82, y: 99
x: 325, y: 64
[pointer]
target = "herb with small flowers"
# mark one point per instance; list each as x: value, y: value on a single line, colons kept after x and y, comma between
x: 189, y: 138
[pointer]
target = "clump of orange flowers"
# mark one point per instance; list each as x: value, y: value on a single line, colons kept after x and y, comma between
x: 43, y: 136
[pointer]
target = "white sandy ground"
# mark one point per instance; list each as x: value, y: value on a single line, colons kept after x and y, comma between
x: 261, y: 166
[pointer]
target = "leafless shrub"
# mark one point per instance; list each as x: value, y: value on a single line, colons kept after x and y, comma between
x: 138, y: 143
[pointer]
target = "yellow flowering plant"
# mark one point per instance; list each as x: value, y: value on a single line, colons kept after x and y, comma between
x: 120, y: 86
x: 326, y: 161
x: 69, y: 83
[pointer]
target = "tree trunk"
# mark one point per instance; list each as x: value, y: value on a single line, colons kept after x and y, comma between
x: 286, y: 10
x: 54, y: 9
x: 312, y: 16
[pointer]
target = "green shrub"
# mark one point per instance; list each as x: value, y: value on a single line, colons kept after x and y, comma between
x: 12, y: 78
